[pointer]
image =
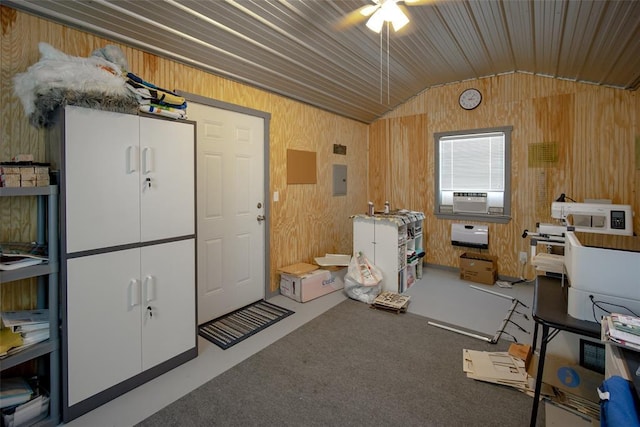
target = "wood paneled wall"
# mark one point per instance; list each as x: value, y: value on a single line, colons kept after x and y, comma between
x: 307, y: 221
x: 593, y: 128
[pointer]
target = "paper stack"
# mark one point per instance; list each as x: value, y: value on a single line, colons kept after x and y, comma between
x: 622, y: 330
x: 18, y: 406
x: 22, y: 329
x: 391, y: 301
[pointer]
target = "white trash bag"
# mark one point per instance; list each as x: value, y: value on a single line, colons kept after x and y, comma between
x: 363, y: 281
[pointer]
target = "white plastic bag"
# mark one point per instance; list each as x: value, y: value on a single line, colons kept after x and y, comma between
x: 363, y: 279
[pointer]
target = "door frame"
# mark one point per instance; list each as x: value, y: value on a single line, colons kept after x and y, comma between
x: 199, y: 99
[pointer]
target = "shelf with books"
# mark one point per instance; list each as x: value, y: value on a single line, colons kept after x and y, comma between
x: 44, y: 354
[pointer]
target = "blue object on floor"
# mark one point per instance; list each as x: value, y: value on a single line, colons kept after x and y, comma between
x: 618, y: 403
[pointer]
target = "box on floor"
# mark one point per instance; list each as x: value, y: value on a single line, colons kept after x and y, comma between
x: 303, y: 282
x: 479, y: 268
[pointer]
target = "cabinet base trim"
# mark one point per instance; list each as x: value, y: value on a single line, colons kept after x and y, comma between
x: 71, y: 412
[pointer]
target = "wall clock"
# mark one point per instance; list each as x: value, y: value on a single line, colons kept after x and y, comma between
x: 470, y: 99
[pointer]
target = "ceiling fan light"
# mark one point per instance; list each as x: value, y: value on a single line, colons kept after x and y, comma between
x: 395, y: 15
x: 375, y: 22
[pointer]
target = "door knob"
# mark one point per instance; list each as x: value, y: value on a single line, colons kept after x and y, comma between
x: 261, y: 218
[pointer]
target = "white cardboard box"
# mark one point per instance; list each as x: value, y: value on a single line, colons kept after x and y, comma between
x: 304, y: 286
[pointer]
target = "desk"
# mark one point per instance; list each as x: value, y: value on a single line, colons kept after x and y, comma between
x: 550, y: 311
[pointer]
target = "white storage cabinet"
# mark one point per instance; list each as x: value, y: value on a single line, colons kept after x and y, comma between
x: 393, y: 242
x: 128, y: 252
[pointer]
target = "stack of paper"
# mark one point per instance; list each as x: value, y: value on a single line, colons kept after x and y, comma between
x: 622, y: 330
x: 14, y: 391
x: 19, y: 255
x: 31, y: 326
x: 18, y: 406
x: 391, y: 301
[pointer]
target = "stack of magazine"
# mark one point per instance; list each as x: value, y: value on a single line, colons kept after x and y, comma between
x: 622, y: 330
x: 19, y: 255
x: 21, y: 329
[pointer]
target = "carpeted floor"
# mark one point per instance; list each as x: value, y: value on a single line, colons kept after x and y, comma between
x: 354, y: 366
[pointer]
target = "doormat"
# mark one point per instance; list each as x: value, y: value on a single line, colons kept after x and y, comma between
x: 230, y: 329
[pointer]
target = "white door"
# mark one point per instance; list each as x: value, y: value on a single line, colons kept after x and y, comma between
x: 230, y: 200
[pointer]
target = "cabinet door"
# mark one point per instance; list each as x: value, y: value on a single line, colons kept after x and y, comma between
x: 101, y: 179
x: 169, y: 301
x: 389, y: 254
x: 364, y: 238
x: 167, y: 178
x: 103, y: 322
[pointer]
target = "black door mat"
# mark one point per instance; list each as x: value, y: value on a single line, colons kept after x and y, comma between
x: 230, y: 329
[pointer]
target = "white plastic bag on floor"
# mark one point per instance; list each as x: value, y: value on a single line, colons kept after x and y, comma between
x: 363, y: 281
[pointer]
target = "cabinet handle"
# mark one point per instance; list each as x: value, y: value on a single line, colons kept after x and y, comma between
x: 134, y: 293
x: 149, y: 288
x: 132, y: 159
x: 147, y: 159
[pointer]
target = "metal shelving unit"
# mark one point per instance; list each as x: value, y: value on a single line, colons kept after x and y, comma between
x: 48, y: 290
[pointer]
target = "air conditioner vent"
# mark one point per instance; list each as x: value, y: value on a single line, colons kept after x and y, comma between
x: 469, y: 202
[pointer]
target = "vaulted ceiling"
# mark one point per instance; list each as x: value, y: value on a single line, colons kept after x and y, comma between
x: 320, y: 52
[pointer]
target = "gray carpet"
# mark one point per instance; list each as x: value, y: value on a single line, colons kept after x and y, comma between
x: 354, y: 366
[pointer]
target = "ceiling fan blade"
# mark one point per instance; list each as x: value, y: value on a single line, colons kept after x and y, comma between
x: 369, y: 9
x: 421, y: 2
x: 351, y: 19
x: 376, y: 21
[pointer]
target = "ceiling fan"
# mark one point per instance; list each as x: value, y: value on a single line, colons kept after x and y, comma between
x: 390, y: 11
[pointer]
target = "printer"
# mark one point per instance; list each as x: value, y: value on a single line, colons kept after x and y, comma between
x: 604, y: 274
x: 601, y: 258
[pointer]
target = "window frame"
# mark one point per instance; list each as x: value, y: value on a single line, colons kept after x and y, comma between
x: 503, y: 218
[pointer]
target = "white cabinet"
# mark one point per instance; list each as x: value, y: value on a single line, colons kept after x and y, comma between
x: 119, y: 169
x: 128, y: 252
x: 392, y: 242
x: 126, y: 309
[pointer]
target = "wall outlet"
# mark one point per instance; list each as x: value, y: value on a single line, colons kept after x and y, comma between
x: 523, y: 257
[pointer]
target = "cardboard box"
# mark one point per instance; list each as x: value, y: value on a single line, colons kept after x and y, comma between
x: 479, y: 268
x: 568, y: 377
x: 10, y: 180
x: 572, y: 378
x: 304, y: 282
x: 522, y: 352
x: 558, y: 416
x: 337, y: 276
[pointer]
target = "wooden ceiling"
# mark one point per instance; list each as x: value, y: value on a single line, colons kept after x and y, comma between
x: 321, y: 53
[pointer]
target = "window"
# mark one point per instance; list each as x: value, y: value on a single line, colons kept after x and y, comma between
x: 473, y: 174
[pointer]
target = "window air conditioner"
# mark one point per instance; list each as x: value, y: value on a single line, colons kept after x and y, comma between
x: 465, y: 202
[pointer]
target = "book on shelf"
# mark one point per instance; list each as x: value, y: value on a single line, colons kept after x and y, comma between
x: 29, y: 327
x: 34, y: 337
x: 13, y: 319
